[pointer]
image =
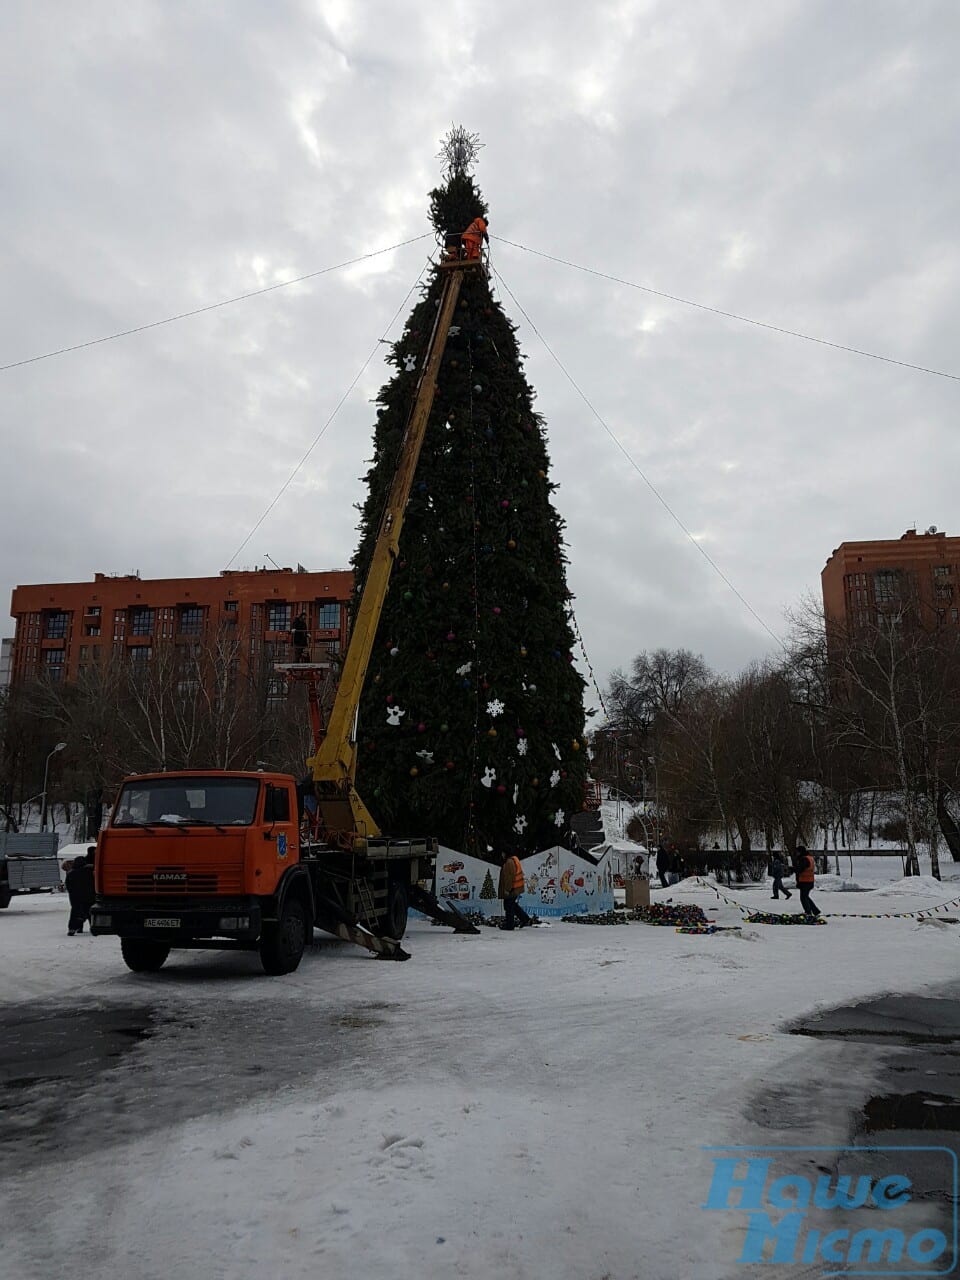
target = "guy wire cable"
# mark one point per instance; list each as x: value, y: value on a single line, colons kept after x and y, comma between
x: 732, y: 315
x: 211, y: 306
x: 339, y: 405
x: 636, y: 466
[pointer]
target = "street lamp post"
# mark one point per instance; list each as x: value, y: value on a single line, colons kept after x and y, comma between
x: 61, y: 746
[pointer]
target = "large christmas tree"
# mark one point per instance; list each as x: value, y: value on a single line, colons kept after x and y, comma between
x: 471, y: 723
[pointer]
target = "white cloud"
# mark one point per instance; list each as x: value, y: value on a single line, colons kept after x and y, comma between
x: 795, y: 165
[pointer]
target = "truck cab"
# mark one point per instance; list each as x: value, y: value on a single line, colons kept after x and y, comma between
x: 188, y: 858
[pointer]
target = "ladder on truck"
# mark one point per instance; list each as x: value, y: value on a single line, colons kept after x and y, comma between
x: 342, y: 817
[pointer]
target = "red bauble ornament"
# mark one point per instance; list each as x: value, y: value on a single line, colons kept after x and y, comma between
x: 501, y: 790
x: 421, y: 727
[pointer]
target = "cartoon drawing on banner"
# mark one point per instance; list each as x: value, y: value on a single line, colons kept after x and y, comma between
x: 556, y: 882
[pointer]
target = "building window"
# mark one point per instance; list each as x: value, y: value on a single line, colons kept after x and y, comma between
x: 53, y: 663
x: 230, y: 606
x: 886, y: 586
x: 328, y: 616
x: 57, y: 626
x: 141, y: 654
x: 941, y: 570
x: 191, y: 620
x: 278, y: 617
x: 954, y: 615
x: 91, y: 631
x: 92, y: 611
x: 84, y: 649
x: 141, y: 622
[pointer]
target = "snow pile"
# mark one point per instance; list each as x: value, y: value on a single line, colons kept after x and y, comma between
x: 839, y: 884
x: 916, y: 887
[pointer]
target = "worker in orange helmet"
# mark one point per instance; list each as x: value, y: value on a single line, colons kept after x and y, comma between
x: 474, y: 234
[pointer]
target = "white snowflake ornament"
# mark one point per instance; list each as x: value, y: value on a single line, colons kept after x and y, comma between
x: 453, y: 330
x: 516, y: 791
x: 558, y: 818
x: 465, y: 669
x: 520, y: 825
x: 495, y: 707
x: 523, y: 746
x: 556, y: 751
x: 394, y: 715
x: 489, y: 777
x: 409, y: 364
x: 555, y: 777
x: 426, y: 756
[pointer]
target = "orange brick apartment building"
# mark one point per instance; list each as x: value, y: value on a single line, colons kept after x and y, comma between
x: 862, y: 579
x: 62, y: 627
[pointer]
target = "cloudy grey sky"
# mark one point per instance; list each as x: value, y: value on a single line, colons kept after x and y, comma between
x: 789, y: 160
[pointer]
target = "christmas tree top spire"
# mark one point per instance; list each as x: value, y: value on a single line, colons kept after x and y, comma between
x: 455, y: 204
x: 458, y: 151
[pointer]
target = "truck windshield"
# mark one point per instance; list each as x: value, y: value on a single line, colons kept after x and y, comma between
x: 181, y: 801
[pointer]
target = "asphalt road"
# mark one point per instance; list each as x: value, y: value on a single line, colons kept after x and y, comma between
x: 95, y: 1074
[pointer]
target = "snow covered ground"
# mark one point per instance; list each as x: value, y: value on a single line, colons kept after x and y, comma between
x: 515, y: 1107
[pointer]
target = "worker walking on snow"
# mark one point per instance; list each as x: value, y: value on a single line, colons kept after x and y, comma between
x: 778, y: 869
x: 804, y: 865
x: 511, y: 887
x: 472, y: 237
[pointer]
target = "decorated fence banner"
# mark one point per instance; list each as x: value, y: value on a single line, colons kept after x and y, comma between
x: 557, y: 883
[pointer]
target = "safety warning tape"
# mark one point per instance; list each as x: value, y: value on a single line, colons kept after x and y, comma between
x: 920, y: 914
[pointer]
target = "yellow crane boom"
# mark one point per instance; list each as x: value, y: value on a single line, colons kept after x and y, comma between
x: 341, y: 811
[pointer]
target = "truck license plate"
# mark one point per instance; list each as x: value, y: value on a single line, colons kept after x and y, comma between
x: 162, y: 922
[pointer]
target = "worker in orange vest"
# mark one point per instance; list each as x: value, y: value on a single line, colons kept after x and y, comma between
x: 473, y: 235
x: 805, y: 869
x: 511, y: 887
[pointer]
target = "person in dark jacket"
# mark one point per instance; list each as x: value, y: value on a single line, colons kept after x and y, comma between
x: 663, y: 864
x: 804, y: 867
x: 676, y: 868
x: 81, y: 892
x: 779, y: 869
x: 300, y: 638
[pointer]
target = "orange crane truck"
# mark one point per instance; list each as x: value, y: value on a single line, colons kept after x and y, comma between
x: 229, y: 860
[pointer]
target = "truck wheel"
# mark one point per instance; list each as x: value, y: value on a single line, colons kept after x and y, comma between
x: 281, y: 948
x: 393, y: 922
x: 5, y: 896
x: 143, y: 956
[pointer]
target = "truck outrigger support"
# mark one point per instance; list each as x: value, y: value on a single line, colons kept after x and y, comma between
x: 333, y: 919
x: 429, y: 905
